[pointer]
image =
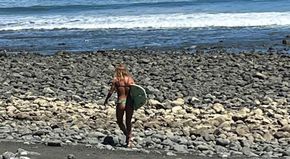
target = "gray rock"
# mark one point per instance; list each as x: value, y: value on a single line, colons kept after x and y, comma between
x: 196, y: 143
x: 9, y: 137
x: 238, y: 153
x: 204, y: 147
x: 144, y: 61
x: 236, y: 146
x: 149, y: 132
x: 281, y: 134
x: 209, y: 137
x: 54, y: 143
x: 148, y: 141
x: 193, y: 100
x: 24, y: 157
x: 23, y: 116
x: 266, y: 155
x: 109, y: 140
x: 220, y: 149
x: 277, y: 155
x: 8, y: 155
x: 170, y: 153
x: 183, y: 140
x: 156, y: 146
x: 156, y: 140
x: 248, y: 152
x: 180, y: 148
x: 224, y: 155
x: 76, y: 98
x: 193, y: 137
x: 41, y: 132
x: 267, y: 148
x: 109, y: 147
x: 77, y: 137
x: 93, y: 141
x: 145, y: 151
x: 286, y: 152
x: 4, y: 130
x: 245, y: 143
x: 218, y: 107
x: 71, y: 156
x: 48, y: 90
x: 99, y: 146
x: 159, y: 136
x: 260, y: 75
x: 3, y: 136
x: 175, y: 138
x: 22, y: 152
x: 222, y: 142
x: 207, y: 153
x: 167, y: 142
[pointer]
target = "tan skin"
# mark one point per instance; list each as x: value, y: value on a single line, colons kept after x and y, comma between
x: 122, y: 87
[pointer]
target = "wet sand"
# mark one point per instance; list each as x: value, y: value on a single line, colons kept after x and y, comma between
x: 83, y: 152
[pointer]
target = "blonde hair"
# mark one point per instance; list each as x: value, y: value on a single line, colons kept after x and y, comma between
x: 121, y: 71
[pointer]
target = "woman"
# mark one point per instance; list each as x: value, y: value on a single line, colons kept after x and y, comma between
x: 121, y: 84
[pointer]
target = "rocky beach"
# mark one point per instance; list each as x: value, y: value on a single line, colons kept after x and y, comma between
x: 210, y: 103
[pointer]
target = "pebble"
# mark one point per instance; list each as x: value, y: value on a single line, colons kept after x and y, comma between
x: 170, y: 154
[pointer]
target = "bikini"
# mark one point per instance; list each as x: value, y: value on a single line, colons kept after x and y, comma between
x: 122, y: 101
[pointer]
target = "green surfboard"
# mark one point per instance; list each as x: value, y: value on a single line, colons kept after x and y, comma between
x: 138, y: 96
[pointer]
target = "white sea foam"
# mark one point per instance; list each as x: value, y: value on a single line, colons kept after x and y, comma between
x: 146, y: 21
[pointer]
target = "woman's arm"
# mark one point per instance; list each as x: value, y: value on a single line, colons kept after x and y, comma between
x: 111, y: 91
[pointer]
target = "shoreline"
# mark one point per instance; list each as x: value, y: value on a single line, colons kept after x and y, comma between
x: 234, y: 39
x: 276, y: 47
x: 35, y: 151
x: 207, y: 103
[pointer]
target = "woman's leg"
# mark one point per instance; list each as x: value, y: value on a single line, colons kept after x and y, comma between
x: 119, y: 115
x: 129, y: 115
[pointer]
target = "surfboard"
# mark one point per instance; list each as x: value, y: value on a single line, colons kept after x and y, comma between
x: 138, y: 96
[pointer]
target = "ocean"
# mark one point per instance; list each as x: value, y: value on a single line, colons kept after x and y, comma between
x: 86, y: 25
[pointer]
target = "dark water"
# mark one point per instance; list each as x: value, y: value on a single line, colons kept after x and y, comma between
x: 50, y: 41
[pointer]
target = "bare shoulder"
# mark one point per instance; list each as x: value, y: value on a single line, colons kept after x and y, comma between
x: 114, y: 80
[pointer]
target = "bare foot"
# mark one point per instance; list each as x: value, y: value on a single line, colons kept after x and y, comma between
x: 129, y: 142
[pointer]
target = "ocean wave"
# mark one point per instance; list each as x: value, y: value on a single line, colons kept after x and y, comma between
x: 158, y: 21
x: 66, y: 3
x: 89, y: 6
